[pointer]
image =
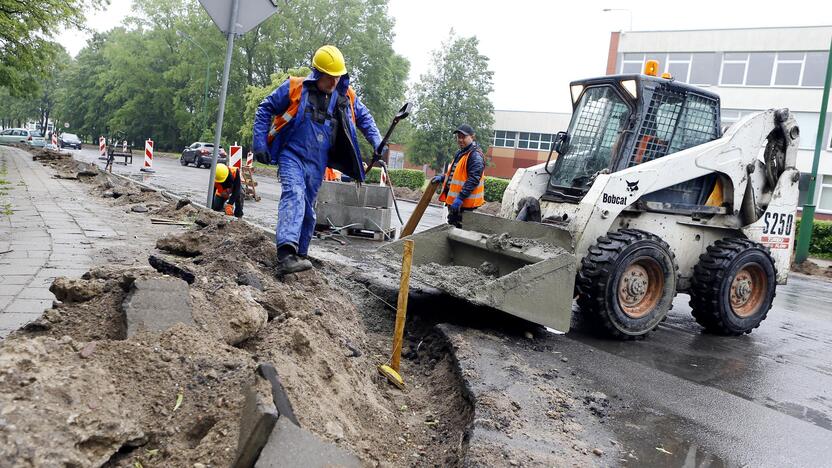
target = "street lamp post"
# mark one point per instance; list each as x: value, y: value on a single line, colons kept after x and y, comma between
x: 630, y: 12
x: 207, y: 74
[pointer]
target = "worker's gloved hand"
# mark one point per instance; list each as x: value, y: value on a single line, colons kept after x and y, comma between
x: 456, y: 206
x: 262, y: 157
x: 229, y: 210
x: 438, y: 179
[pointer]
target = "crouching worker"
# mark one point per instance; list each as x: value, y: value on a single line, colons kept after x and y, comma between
x: 228, y: 191
x: 306, y: 125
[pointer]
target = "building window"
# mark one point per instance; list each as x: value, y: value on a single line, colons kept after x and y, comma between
x: 534, y: 141
x: 632, y: 64
x: 504, y: 139
x: 678, y: 65
x: 396, y: 160
x: 814, y: 70
x: 704, y: 69
x: 733, y: 69
x: 825, y: 202
x: 808, y: 123
x: 759, y: 69
x: 788, y: 68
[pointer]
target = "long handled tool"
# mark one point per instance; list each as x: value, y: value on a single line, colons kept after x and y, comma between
x: 391, y: 371
x: 400, y: 115
x: 416, y: 216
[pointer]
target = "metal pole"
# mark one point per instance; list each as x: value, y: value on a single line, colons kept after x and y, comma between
x: 204, y: 112
x: 232, y: 27
x: 807, y: 218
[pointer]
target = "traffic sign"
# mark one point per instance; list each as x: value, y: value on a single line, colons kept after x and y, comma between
x: 250, y: 13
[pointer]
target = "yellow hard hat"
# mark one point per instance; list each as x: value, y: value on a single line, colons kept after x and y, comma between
x: 221, y: 174
x: 330, y: 60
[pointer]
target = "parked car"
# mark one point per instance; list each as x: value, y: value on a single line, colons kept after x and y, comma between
x: 36, y: 139
x: 17, y: 135
x: 69, y: 140
x: 199, y: 154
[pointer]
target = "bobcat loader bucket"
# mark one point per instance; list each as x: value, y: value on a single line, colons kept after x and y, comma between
x: 524, y: 269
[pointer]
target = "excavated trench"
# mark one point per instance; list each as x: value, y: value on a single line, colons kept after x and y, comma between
x: 75, y: 390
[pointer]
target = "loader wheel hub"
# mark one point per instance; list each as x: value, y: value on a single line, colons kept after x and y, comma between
x: 747, y: 290
x: 640, y: 287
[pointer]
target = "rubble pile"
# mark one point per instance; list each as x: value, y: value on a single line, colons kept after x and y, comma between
x: 84, y: 386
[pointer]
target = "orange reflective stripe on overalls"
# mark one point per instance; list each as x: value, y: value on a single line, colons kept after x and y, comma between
x: 280, y: 121
x: 295, y: 90
x: 351, y: 95
x: 221, y: 191
x: 457, y: 181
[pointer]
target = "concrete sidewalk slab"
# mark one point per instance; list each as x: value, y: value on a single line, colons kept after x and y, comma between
x: 56, y: 228
x: 290, y: 445
x: 157, y: 304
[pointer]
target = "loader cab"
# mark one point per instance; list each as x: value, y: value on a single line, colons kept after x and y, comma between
x: 620, y: 121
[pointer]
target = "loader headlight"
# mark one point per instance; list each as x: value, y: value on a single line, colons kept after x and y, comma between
x: 576, y: 91
x: 630, y: 86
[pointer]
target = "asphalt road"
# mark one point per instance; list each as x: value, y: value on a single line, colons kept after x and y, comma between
x: 677, y: 398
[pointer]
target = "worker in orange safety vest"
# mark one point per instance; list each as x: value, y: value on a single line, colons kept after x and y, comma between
x: 463, y: 186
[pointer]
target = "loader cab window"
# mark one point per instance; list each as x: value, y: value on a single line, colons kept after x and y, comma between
x: 674, y: 121
x: 599, y: 117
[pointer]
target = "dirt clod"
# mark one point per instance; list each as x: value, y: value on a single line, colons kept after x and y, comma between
x: 809, y: 267
x: 76, y: 290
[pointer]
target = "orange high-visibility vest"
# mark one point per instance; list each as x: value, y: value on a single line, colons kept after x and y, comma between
x: 221, y: 191
x: 295, y: 91
x: 460, y: 175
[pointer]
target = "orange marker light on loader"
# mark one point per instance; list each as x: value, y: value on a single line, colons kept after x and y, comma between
x: 651, y: 68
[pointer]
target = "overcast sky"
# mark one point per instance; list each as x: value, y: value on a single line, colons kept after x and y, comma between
x: 537, y: 47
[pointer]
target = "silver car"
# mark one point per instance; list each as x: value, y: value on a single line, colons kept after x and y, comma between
x: 16, y: 135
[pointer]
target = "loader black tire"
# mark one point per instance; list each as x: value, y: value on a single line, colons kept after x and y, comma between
x: 733, y: 287
x: 626, y: 283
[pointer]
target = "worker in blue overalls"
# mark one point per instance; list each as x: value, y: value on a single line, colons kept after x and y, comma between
x: 306, y: 125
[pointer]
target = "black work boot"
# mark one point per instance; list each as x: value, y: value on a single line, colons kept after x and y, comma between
x: 289, y: 262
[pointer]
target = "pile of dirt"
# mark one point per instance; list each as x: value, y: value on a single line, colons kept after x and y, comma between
x: 405, y: 193
x: 65, y: 166
x: 809, y: 267
x: 169, y: 399
x: 491, y: 208
x: 76, y: 390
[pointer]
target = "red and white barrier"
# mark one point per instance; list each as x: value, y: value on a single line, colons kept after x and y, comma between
x: 236, y: 157
x: 148, y: 156
x: 250, y: 159
x: 54, y: 139
x: 102, y: 148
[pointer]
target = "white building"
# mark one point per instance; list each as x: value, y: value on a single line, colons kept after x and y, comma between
x: 751, y: 70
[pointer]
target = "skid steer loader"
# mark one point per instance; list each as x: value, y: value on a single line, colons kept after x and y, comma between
x: 646, y: 198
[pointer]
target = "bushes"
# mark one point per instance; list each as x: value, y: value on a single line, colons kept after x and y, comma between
x: 410, y: 178
x: 494, y: 188
x: 821, y: 245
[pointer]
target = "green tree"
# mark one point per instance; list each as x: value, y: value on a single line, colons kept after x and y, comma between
x: 25, y: 48
x: 147, y: 78
x: 455, y: 91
